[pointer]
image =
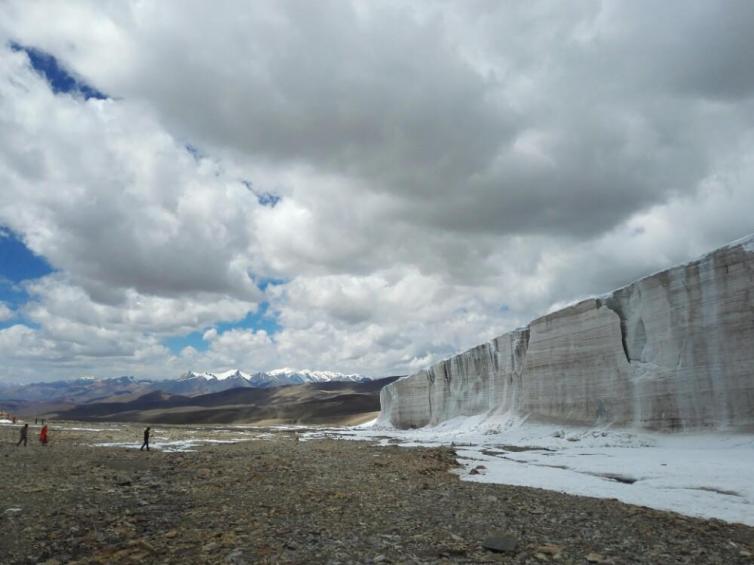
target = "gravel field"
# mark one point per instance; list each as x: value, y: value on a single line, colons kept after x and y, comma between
x: 274, y: 499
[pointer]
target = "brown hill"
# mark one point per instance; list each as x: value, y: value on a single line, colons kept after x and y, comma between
x: 312, y: 403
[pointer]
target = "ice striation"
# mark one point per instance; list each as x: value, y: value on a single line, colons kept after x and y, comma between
x: 672, y: 351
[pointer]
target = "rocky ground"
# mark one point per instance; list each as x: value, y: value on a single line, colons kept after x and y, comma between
x: 279, y: 500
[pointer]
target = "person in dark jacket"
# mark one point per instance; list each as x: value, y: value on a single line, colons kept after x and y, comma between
x: 146, y: 440
x: 24, y: 435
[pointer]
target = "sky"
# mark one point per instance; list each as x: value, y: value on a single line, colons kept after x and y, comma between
x: 363, y: 187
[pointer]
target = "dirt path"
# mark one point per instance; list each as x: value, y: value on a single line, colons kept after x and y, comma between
x: 282, y: 501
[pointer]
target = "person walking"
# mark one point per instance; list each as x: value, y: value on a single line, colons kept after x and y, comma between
x: 43, y: 435
x: 146, y: 440
x: 24, y: 435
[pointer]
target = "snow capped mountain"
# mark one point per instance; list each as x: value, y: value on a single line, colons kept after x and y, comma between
x: 278, y: 377
x: 190, y: 375
x: 191, y: 383
x: 222, y: 376
x: 232, y: 374
x: 315, y: 376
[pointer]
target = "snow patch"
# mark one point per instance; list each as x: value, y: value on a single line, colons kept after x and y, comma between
x: 706, y: 475
x: 232, y: 373
x: 182, y: 446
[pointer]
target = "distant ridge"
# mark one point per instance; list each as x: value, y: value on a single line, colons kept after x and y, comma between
x: 329, y: 402
x: 29, y: 398
x: 193, y: 383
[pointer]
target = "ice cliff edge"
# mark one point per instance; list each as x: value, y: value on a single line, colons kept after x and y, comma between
x: 672, y: 351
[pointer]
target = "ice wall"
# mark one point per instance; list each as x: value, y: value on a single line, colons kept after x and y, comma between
x: 672, y: 351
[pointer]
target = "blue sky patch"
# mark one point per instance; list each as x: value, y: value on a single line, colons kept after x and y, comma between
x: 268, y: 199
x: 262, y: 319
x: 17, y: 264
x: 59, y: 79
x: 194, y: 339
x: 194, y: 151
x: 263, y: 283
x: 263, y: 197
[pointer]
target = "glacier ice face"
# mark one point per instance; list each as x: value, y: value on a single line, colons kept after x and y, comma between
x: 672, y: 351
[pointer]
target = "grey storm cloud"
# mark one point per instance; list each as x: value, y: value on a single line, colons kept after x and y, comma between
x: 432, y: 103
x: 383, y: 97
x: 694, y: 49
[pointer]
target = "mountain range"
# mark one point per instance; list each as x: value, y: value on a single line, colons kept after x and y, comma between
x: 192, y: 383
x: 57, y: 395
x: 325, y: 402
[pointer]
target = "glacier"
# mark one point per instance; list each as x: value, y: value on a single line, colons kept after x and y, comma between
x: 673, y: 351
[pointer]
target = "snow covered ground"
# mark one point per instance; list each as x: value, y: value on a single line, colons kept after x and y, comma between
x: 187, y: 439
x: 707, y: 475
x: 182, y: 446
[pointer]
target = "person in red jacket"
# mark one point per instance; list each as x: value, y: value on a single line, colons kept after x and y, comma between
x: 43, y: 435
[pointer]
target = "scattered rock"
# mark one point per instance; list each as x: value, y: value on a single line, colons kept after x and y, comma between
x: 236, y: 557
x: 550, y: 549
x: 326, y: 499
x: 501, y: 542
x: 145, y: 545
x: 597, y: 558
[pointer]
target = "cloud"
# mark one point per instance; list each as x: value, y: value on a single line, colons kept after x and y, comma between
x: 103, y: 192
x: 505, y: 136
x: 5, y: 313
x: 66, y: 333
x: 445, y: 171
